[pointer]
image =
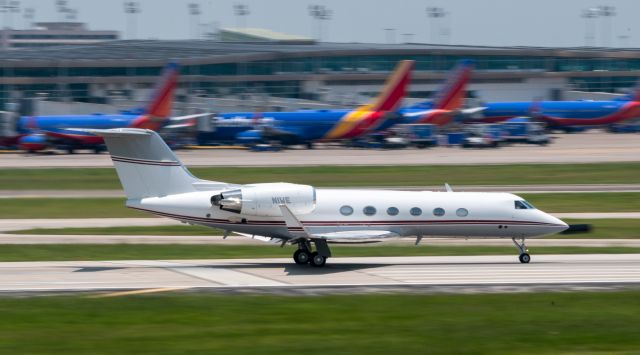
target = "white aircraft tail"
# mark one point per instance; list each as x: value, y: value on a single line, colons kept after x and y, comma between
x: 145, y: 164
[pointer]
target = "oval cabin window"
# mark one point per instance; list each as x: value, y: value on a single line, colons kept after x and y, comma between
x: 369, y: 210
x: 346, y: 210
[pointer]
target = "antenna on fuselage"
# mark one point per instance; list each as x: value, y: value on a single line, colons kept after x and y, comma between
x: 447, y: 187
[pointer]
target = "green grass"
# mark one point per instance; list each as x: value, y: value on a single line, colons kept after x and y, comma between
x: 105, y: 178
x: 528, y: 323
x: 602, y: 228
x: 114, y: 207
x: 586, y: 202
x: 87, y: 252
x: 66, y: 208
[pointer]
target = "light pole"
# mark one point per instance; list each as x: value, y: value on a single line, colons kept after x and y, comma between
x: 241, y: 10
x: 436, y: 14
x: 319, y: 13
x: 131, y: 9
x: 9, y: 8
x: 61, y: 8
x: 390, y: 34
x: 29, y: 14
x: 195, y: 12
x: 607, y: 13
x: 589, y: 15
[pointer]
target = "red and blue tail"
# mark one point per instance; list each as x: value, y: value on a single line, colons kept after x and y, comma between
x: 160, y: 104
x: 452, y: 94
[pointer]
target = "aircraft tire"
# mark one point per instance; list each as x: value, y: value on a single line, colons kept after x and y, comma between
x: 524, y: 258
x: 317, y: 260
x: 301, y: 257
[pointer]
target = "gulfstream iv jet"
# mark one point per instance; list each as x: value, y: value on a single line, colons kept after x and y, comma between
x: 155, y: 181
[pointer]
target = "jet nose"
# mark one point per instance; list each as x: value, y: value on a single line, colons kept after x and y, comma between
x: 556, y: 224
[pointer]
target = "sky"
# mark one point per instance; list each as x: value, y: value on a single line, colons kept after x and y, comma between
x: 555, y: 23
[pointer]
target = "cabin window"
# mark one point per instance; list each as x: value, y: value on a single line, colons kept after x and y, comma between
x: 415, y: 211
x: 392, y: 211
x: 369, y: 210
x: 523, y: 205
x: 462, y: 212
x: 346, y: 210
x: 439, y: 212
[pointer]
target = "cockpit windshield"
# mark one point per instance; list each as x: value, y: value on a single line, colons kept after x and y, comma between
x: 523, y: 205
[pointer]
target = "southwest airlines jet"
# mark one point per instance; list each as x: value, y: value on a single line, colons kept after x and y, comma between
x: 37, y: 133
x: 307, y: 126
x: 560, y: 114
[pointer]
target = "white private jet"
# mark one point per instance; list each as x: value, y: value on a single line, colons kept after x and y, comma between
x: 155, y: 181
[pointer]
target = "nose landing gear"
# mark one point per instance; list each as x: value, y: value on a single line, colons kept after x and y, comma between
x: 524, y: 255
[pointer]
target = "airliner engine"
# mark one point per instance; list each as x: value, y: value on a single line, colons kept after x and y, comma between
x: 264, y: 199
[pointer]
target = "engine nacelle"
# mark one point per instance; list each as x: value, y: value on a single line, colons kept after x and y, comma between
x: 264, y: 199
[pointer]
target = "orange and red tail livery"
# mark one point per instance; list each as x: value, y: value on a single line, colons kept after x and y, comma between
x: 161, y: 102
x: 366, y: 118
x: 452, y: 94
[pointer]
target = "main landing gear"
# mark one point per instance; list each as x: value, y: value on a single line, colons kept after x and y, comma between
x: 524, y: 255
x: 318, y: 258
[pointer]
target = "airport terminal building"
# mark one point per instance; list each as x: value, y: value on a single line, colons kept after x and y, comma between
x: 336, y: 73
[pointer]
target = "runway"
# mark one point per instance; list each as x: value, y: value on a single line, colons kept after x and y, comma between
x: 455, y: 273
x: 587, y: 147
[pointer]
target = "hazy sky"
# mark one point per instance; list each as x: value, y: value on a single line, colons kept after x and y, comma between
x: 494, y: 22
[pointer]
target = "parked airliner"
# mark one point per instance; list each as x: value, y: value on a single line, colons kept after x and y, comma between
x: 155, y: 181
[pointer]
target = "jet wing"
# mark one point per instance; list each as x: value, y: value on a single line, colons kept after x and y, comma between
x: 357, y: 234
x: 300, y: 231
x: 261, y: 238
x: 185, y: 121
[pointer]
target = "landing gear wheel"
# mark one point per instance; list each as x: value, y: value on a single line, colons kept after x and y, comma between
x: 524, y: 258
x: 317, y: 260
x: 301, y: 257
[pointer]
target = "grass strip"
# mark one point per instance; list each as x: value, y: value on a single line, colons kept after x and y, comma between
x: 347, y: 176
x: 527, y: 323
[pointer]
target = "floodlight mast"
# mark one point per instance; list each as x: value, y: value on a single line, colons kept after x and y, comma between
x: 589, y: 15
x: 241, y: 11
x: 194, y: 13
x: 319, y: 13
x: 131, y: 9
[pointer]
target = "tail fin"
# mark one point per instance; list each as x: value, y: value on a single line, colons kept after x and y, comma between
x: 161, y: 101
x: 394, y: 90
x: 145, y: 165
x: 451, y: 96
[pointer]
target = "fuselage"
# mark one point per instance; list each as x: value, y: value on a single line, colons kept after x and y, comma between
x: 305, y: 125
x: 28, y: 124
x: 404, y: 213
x: 569, y: 113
